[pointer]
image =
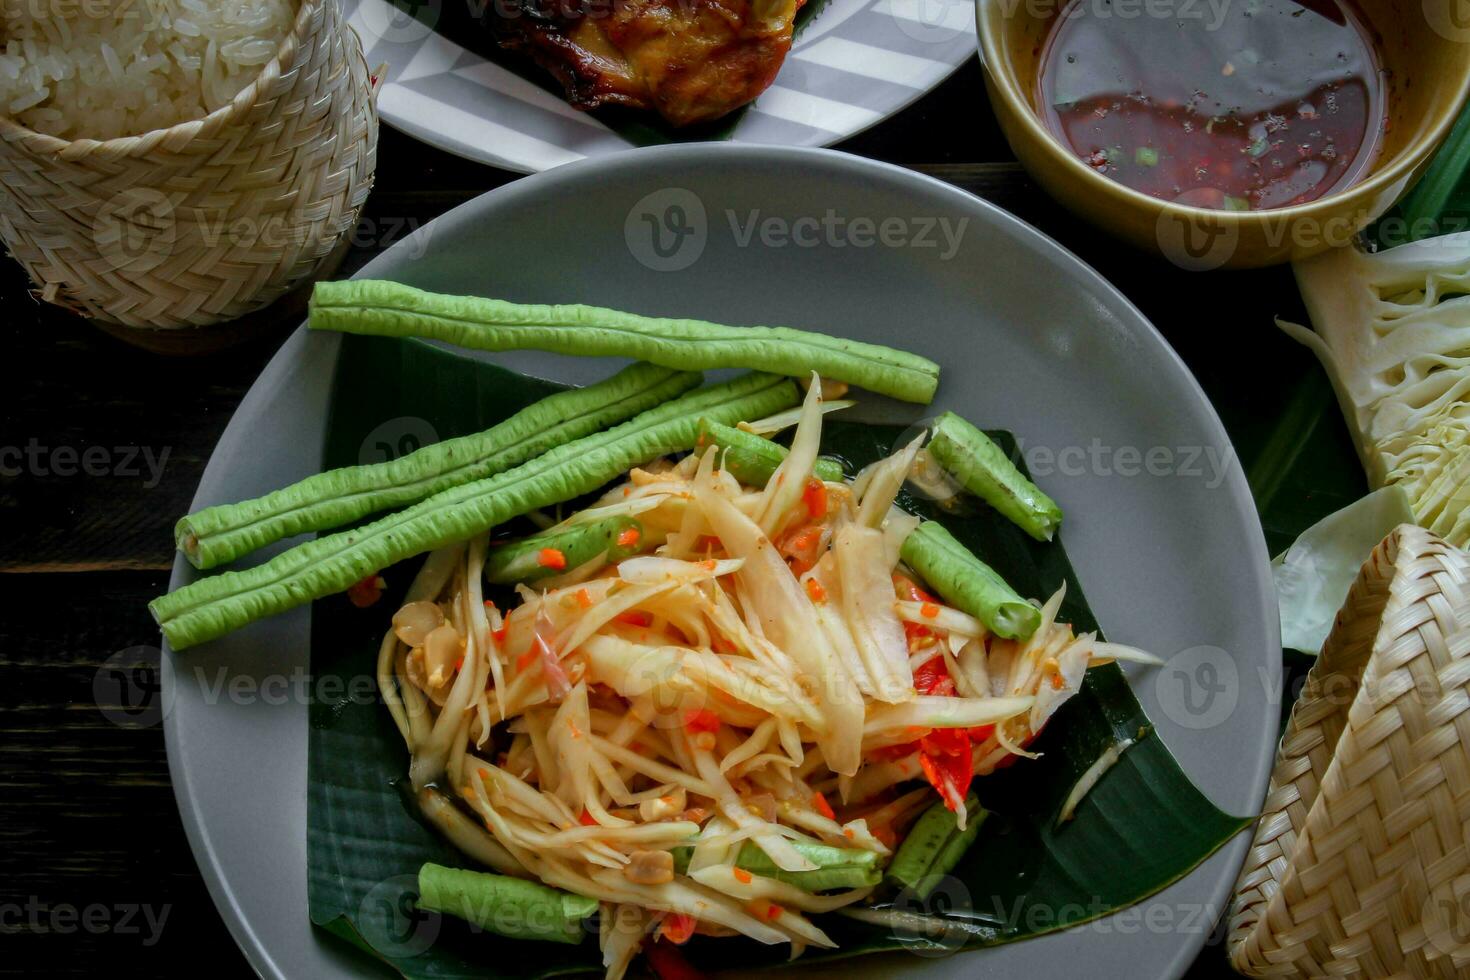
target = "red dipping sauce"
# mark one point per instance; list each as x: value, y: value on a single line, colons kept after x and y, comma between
x: 1245, y: 105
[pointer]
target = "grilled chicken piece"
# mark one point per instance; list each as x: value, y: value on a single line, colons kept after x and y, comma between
x: 689, y: 60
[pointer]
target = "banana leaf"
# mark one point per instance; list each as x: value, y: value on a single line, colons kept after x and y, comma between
x: 1439, y: 204
x: 1026, y: 875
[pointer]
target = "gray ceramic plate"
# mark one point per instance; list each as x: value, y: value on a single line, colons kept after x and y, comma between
x: 1160, y: 524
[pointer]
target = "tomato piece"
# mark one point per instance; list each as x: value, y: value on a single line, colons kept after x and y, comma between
x: 677, y: 928
x: 946, y: 741
x: 892, y: 753
x: 981, y: 732
x: 366, y: 592
x: 801, y: 547
x: 919, y: 636
x: 950, y: 775
x: 932, y: 677
x: 908, y: 589
x: 587, y: 819
x: 814, y: 495
x: 667, y: 963
x: 702, y: 720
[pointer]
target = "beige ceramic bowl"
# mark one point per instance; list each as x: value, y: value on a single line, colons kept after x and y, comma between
x: 1425, y: 46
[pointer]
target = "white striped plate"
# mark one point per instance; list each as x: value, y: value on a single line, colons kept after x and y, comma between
x: 853, y: 64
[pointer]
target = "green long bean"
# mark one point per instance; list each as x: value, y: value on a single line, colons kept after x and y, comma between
x: 510, y: 907
x: 391, y: 309
x: 968, y: 455
x: 212, y: 607
x: 753, y: 460
x: 526, y: 560
x: 967, y: 583
x: 221, y: 534
x: 837, y: 867
x: 934, y: 845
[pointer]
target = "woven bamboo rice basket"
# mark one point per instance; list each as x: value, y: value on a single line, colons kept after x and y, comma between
x: 1360, y: 865
x: 211, y: 219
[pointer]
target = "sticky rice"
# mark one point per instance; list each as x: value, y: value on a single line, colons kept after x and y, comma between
x: 105, y: 68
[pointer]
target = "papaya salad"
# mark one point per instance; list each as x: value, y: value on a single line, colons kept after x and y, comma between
x: 726, y: 690
x: 714, y: 683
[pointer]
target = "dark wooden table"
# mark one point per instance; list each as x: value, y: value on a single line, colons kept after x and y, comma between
x: 101, y: 447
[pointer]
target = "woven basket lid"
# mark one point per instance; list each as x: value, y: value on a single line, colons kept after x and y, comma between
x: 1360, y: 865
x: 211, y: 219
